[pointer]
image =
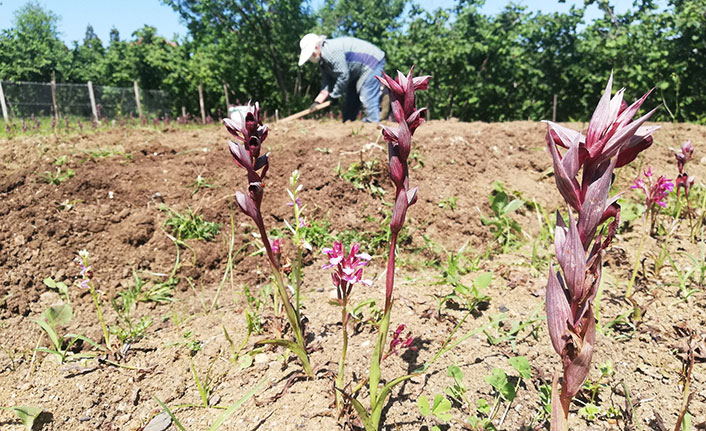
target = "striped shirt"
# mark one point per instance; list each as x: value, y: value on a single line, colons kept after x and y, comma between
x: 344, y: 59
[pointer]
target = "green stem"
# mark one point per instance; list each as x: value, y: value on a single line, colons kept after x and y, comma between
x: 628, y: 292
x: 342, y: 362
x: 292, y: 315
x: 297, y: 273
x: 99, y: 312
x: 377, y: 357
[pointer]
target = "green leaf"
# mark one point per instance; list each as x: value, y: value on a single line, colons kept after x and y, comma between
x: 295, y: 348
x: 513, y: 206
x: 455, y: 372
x: 423, y: 406
x: 483, y: 406
x: 27, y: 415
x: 362, y: 413
x: 441, y: 406
x: 171, y: 415
x: 590, y: 412
x: 245, y: 361
x: 49, y: 282
x: 483, y: 280
x: 229, y: 411
x: 522, y: 366
x: 58, y: 315
x: 498, y: 380
x: 85, y: 340
x: 50, y: 332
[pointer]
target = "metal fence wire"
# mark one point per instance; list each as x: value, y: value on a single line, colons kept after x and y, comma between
x: 24, y: 99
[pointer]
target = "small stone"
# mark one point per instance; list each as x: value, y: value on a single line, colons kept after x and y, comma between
x: 135, y: 397
x: 214, y: 400
x: 159, y: 423
x: 261, y: 358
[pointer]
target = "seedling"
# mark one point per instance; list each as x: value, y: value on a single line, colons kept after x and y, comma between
x: 499, y: 335
x: 102, y: 153
x: 449, y: 203
x: 67, y: 205
x: 504, y: 391
x: 439, y: 409
x: 52, y: 318
x: 468, y: 296
x: 124, y: 304
x: 58, y: 177
x: 505, y: 230
x: 684, y: 276
x: 204, y: 383
x: 59, y: 286
x: 457, y: 391
x: 363, y: 175
x: 200, y: 183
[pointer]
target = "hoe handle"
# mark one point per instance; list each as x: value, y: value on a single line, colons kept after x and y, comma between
x: 300, y: 114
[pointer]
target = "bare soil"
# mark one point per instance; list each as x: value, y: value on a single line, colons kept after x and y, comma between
x: 115, y: 214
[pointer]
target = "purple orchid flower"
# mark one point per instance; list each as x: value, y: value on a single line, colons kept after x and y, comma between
x: 349, y: 267
x: 655, y: 193
x: 686, y: 153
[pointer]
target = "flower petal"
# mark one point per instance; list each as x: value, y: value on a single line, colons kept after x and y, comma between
x: 558, y: 311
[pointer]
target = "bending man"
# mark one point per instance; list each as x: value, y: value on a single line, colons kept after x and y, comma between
x: 348, y: 67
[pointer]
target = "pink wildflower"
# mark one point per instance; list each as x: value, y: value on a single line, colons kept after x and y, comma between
x: 654, y: 192
x: 349, y: 268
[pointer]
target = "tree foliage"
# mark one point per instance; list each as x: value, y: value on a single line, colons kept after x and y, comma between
x: 506, y: 66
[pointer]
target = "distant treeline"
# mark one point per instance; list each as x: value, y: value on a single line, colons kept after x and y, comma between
x: 507, y: 66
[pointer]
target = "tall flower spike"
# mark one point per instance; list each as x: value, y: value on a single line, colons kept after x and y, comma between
x: 613, y: 139
x: 249, y: 132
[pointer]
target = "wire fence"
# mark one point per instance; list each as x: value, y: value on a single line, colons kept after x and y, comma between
x: 27, y: 99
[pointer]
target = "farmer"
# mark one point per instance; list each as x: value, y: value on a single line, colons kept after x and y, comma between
x: 348, y: 68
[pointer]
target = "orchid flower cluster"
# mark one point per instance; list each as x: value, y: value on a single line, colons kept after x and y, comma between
x: 251, y: 133
x: 655, y: 193
x: 683, y: 179
x: 613, y: 139
x: 86, y: 282
x: 348, y: 268
x: 348, y: 271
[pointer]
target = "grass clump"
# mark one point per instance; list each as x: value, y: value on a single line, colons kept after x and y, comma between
x: 189, y: 225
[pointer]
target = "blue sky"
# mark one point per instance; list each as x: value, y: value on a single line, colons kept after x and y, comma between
x: 130, y: 15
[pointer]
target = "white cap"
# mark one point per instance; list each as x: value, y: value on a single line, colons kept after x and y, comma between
x: 308, y: 45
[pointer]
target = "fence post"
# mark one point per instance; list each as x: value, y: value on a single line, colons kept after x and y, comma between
x: 203, y: 109
x: 225, y: 90
x: 2, y: 104
x: 554, y: 111
x: 137, y: 98
x: 183, y: 112
x: 53, y: 95
x: 94, y: 111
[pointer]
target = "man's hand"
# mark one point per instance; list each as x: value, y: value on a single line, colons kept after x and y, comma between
x: 313, y: 105
x: 321, y: 97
